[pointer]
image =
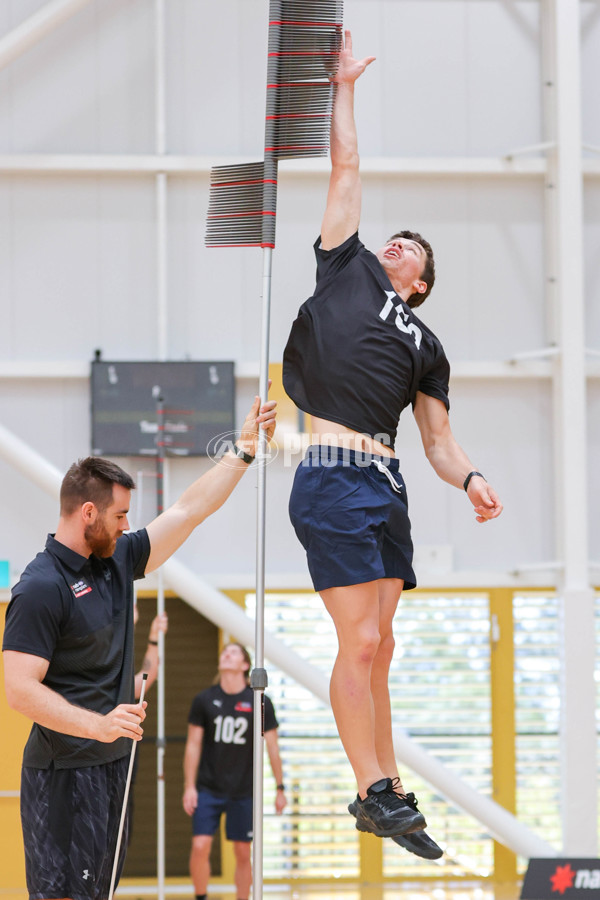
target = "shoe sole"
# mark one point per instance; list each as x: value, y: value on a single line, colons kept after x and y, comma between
x: 418, y: 823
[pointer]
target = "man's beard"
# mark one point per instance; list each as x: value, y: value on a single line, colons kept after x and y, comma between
x: 99, y: 540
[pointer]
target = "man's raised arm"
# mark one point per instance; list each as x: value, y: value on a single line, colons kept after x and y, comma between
x: 342, y: 213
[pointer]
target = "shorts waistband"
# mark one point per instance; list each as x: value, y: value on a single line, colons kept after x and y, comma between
x: 322, y: 454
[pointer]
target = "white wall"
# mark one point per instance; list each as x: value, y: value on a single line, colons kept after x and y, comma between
x: 453, y: 78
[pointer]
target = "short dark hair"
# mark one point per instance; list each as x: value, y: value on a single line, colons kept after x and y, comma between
x: 91, y: 480
x: 428, y: 273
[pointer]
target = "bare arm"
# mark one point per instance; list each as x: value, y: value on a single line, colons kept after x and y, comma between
x: 342, y: 213
x: 24, y: 674
x: 209, y: 492
x: 449, y: 460
x: 191, y: 761
x: 150, y: 661
x: 276, y: 767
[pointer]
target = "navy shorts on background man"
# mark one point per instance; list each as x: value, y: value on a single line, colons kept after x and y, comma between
x: 238, y: 812
x: 350, y: 512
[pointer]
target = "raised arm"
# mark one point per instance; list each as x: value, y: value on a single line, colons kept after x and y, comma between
x: 449, y: 460
x: 150, y: 662
x: 209, y: 492
x: 342, y: 213
x: 23, y: 677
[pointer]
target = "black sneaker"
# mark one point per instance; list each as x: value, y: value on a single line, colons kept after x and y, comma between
x: 385, y: 813
x: 420, y: 844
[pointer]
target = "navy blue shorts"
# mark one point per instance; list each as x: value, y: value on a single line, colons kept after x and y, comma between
x: 238, y: 821
x: 350, y: 512
x: 70, y: 820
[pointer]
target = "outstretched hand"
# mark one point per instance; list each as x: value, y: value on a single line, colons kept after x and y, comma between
x: 349, y: 69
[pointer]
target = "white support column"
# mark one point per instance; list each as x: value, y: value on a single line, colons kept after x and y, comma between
x: 578, y: 693
x: 33, y: 29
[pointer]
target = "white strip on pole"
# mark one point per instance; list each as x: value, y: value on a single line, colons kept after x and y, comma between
x: 33, y: 29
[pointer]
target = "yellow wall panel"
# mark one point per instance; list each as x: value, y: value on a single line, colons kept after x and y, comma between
x: 14, y: 730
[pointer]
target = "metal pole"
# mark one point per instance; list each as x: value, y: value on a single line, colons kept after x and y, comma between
x: 162, y: 332
x: 160, y: 683
x: 259, y: 679
x: 161, y: 180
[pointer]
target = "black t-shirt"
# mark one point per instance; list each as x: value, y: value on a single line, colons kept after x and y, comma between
x: 78, y: 614
x: 227, y: 751
x: 357, y: 354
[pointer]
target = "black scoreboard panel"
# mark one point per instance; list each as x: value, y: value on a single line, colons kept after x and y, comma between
x: 198, y: 400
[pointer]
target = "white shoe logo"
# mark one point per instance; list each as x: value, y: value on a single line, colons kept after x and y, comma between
x: 86, y: 874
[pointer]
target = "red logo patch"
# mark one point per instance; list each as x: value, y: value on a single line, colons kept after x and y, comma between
x: 243, y: 706
x: 80, y: 588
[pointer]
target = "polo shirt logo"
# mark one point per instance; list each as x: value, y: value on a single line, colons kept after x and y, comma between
x: 79, y: 589
x: 243, y: 706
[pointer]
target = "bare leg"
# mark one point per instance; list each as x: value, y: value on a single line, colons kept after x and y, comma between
x: 389, y: 595
x: 243, y: 869
x: 355, y: 612
x: 200, y: 863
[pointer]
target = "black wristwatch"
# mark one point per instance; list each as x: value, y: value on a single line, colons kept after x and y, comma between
x: 281, y: 787
x: 242, y: 454
x: 471, y: 475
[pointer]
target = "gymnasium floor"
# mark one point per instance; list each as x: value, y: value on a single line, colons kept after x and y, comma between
x: 432, y: 890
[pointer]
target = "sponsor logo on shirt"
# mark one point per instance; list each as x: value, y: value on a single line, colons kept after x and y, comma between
x: 218, y: 702
x: 80, y: 588
x: 243, y: 706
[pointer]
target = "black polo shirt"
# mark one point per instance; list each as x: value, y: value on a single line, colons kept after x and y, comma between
x: 77, y: 612
x: 357, y: 354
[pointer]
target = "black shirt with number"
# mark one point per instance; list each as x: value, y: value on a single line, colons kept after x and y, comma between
x: 357, y: 354
x: 77, y: 613
x: 227, y: 748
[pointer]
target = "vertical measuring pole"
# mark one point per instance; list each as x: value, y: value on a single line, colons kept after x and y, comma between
x: 258, y: 678
x: 160, y: 684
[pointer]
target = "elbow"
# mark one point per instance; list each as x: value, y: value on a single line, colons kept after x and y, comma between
x: 430, y: 452
x: 14, y: 698
x: 345, y: 160
x: 10, y: 699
